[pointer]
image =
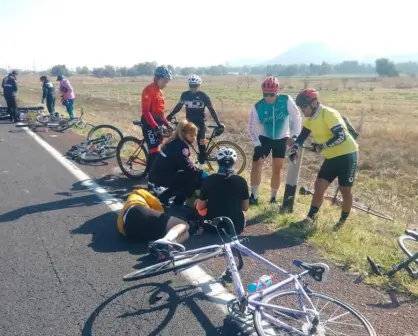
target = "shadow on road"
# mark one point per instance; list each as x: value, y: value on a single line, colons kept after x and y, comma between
x: 162, y: 299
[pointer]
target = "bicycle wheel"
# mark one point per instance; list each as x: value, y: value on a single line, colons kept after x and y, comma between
x: 63, y: 124
x: 99, y: 130
x: 185, y: 259
x: 91, y: 156
x: 137, y: 161
x: 358, y: 325
x: 368, y: 210
x: 211, y: 155
x: 409, y: 246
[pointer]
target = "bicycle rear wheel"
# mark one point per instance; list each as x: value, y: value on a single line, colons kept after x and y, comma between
x: 136, y: 162
x: 211, y: 155
x: 99, y: 130
x: 185, y: 260
x: 339, y: 320
x: 409, y: 246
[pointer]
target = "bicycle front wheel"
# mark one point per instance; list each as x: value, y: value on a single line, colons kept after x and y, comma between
x: 409, y: 246
x: 335, y: 316
x: 99, y: 130
x: 132, y: 156
x: 179, y: 262
x: 211, y: 155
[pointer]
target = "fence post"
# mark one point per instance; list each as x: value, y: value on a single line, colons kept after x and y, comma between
x: 118, y: 95
x: 293, y: 172
x: 108, y: 94
x: 129, y: 98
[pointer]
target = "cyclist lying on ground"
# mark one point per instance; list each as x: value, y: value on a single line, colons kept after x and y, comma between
x: 224, y: 194
x: 142, y: 219
x: 173, y: 168
x: 329, y: 130
x: 196, y: 101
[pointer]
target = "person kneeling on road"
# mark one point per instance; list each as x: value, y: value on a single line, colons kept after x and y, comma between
x: 224, y: 194
x: 142, y: 219
x: 173, y: 168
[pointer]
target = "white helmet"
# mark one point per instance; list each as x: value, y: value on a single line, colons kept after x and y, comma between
x: 195, y: 80
x: 226, y: 157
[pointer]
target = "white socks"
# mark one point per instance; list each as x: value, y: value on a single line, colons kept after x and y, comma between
x: 273, y: 193
x: 171, y: 235
x: 254, y: 191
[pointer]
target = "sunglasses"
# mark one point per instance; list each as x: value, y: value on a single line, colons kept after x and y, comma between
x: 193, y: 86
x: 268, y: 94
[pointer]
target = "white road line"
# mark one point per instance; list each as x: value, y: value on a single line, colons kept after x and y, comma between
x: 195, y: 275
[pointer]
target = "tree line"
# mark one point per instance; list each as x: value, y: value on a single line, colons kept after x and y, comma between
x: 381, y: 67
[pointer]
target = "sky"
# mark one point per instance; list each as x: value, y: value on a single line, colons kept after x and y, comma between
x: 36, y: 33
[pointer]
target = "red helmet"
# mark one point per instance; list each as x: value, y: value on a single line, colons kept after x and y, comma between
x: 306, y: 96
x: 270, y: 84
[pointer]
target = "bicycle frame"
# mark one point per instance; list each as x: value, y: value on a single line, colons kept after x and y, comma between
x: 252, y: 300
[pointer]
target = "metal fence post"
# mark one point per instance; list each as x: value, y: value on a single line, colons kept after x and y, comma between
x: 293, y: 172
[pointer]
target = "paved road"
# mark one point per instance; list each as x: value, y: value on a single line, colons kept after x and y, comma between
x: 62, y: 260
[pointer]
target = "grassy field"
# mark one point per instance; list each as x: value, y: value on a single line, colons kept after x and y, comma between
x: 387, y: 177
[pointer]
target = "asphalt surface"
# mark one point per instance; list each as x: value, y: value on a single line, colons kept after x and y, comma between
x: 62, y: 260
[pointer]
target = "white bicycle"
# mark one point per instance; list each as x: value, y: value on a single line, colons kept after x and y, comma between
x: 275, y: 311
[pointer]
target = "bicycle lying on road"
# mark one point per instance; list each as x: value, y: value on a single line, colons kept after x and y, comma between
x: 297, y: 312
x: 409, y: 236
x: 95, y: 150
x: 137, y: 161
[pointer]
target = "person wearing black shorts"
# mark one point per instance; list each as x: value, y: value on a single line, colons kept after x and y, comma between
x: 274, y: 124
x: 196, y: 101
x: 224, y: 194
x: 343, y: 167
x: 142, y: 219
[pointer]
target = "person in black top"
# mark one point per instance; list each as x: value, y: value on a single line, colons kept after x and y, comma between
x: 224, y: 194
x: 48, y: 93
x: 9, y: 85
x: 196, y: 101
x: 173, y: 168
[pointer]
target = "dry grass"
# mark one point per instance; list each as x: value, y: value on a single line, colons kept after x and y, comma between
x: 387, y: 176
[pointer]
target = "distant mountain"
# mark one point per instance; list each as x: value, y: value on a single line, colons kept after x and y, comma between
x: 311, y: 52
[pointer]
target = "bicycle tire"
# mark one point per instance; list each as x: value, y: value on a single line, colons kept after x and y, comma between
x: 401, y: 244
x: 63, y: 124
x: 258, y: 319
x: 98, y: 127
x: 226, y: 143
x: 140, y: 144
x: 98, y: 159
x: 148, y: 272
x: 368, y: 210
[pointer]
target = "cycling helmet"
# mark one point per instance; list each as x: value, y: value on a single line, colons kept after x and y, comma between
x: 270, y: 84
x: 226, y: 157
x: 163, y: 72
x: 195, y: 80
x: 306, y: 96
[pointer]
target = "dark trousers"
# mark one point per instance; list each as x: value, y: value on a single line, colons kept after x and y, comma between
x: 12, y: 107
x: 50, y: 104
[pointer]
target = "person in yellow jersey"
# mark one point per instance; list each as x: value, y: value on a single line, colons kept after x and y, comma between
x: 142, y: 219
x: 334, y: 141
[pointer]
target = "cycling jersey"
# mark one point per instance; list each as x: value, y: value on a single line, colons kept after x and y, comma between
x: 320, y: 126
x: 138, y: 197
x: 195, y: 103
x: 153, y: 104
x: 9, y: 85
x: 275, y: 121
x: 48, y: 90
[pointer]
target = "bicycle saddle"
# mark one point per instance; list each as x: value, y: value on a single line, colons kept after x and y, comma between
x: 318, y: 271
x: 412, y: 233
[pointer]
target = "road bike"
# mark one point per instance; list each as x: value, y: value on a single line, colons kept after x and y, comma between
x: 297, y: 312
x: 95, y: 150
x: 132, y: 152
x: 409, y: 237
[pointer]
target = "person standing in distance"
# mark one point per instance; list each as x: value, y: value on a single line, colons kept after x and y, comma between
x: 275, y: 122
x: 9, y: 85
x: 48, y: 93
x: 334, y: 140
x: 153, y: 118
x: 196, y: 101
x: 67, y: 94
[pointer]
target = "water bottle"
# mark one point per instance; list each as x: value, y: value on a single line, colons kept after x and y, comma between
x: 264, y: 282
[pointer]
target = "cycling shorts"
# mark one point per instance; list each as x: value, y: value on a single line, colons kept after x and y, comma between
x: 152, y: 140
x: 141, y: 224
x: 344, y: 167
x: 277, y: 147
